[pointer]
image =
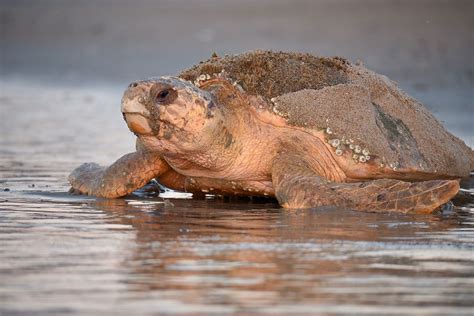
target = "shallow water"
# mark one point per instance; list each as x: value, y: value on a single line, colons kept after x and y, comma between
x: 63, y: 68
x: 63, y: 254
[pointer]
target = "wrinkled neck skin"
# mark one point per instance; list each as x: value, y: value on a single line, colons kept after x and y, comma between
x: 233, y: 142
x: 233, y: 145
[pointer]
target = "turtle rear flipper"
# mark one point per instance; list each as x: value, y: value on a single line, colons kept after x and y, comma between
x: 304, y: 188
x: 400, y: 196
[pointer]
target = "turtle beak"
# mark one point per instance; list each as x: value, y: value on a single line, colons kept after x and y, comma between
x: 134, y: 111
x: 134, y: 99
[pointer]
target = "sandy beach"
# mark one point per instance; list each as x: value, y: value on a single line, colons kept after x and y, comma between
x: 64, y: 66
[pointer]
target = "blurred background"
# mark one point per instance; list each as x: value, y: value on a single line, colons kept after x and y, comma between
x: 68, y: 57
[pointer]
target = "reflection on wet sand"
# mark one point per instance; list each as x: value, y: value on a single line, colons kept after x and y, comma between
x: 61, y: 85
x: 260, y: 254
x: 214, y: 256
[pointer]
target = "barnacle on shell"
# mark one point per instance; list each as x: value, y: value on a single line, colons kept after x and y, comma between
x: 335, y: 142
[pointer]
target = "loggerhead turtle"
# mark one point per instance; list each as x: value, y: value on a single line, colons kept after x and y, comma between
x: 310, y: 131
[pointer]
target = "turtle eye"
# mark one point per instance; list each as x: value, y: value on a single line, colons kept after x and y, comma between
x: 161, y: 96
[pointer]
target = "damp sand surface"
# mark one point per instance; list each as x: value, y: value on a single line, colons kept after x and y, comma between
x: 64, y: 66
x: 142, y: 255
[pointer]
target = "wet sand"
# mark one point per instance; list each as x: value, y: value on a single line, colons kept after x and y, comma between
x: 64, y: 66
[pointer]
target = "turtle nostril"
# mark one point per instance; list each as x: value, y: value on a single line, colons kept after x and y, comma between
x: 133, y: 84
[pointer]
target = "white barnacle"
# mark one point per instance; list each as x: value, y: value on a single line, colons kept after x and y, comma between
x: 351, y: 146
x: 355, y: 157
x: 328, y: 131
x: 362, y: 159
x: 208, y: 77
x: 394, y: 166
x: 367, y: 157
x: 357, y: 149
x: 201, y: 78
x: 335, y: 142
x: 365, y: 151
x: 239, y: 87
x: 273, y: 99
x: 338, y: 152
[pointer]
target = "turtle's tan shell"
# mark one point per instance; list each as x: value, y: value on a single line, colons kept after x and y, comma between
x: 353, y: 102
x: 272, y: 74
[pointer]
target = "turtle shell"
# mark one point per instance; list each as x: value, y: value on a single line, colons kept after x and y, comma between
x: 360, y: 110
x: 271, y: 74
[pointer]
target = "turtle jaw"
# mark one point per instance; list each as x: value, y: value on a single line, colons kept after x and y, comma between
x: 137, y: 123
x: 137, y: 117
x: 134, y: 110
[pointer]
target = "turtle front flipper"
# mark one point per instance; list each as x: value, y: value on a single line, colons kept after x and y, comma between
x: 297, y: 185
x: 124, y: 176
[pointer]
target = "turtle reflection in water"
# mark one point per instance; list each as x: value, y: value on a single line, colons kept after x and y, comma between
x: 308, y: 130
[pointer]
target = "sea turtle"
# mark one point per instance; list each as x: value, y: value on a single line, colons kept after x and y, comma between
x: 310, y: 131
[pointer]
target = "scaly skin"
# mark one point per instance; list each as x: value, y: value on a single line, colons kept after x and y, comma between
x: 298, y: 186
x: 199, y: 185
x: 215, y: 139
x: 126, y: 175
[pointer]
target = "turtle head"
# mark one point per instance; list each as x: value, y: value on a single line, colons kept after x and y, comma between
x: 168, y: 113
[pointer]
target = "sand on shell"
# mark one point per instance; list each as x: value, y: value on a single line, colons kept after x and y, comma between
x: 356, y: 103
